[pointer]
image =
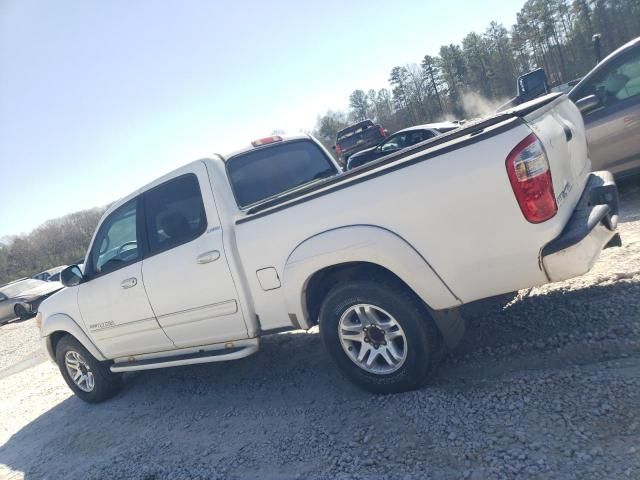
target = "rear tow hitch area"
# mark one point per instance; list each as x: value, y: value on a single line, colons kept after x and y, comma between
x: 591, y: 228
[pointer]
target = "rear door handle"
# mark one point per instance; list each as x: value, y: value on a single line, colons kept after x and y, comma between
x: 208, y: 257
x: 129, y: 282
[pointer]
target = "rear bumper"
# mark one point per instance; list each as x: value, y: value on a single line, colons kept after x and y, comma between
x: 591, y: 228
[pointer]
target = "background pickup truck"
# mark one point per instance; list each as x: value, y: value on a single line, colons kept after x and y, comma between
x: 198, y: 265
x: 357, y: 137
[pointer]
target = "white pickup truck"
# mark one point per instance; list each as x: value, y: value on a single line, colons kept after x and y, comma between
x: 198, y: 265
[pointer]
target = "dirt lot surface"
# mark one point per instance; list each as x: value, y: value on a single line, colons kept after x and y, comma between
x: 545, y: 384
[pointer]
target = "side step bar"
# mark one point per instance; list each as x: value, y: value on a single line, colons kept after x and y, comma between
x: 189, y: 356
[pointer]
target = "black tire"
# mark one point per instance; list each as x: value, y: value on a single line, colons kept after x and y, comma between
x: 21, y: 312
x: 106, y: 383
x: 423, y: 340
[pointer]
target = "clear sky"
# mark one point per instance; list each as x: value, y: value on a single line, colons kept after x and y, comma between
x: 99, y: 97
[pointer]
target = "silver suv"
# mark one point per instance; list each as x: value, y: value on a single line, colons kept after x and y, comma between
x: 609, y: 97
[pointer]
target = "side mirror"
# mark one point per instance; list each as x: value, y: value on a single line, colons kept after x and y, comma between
x: 71, y: 276
x: 588, y: 104
x: 333, y: 147
x: 532, y: 85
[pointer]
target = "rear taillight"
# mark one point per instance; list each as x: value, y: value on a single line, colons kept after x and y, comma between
x: 383, y: 132
x: 338, y: 149
x: 530, y: 178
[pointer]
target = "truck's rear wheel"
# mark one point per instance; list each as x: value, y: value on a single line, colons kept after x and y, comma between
x: 380, y: 335
x: 90, y: 379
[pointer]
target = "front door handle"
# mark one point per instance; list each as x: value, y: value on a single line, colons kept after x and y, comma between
x: 129, y: 282
x: 208, y: 257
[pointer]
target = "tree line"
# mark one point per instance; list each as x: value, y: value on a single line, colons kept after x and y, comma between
x: 466, y: 79
x: 62, y: 241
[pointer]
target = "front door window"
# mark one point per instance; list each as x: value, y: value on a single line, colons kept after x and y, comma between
x: 116, y: 244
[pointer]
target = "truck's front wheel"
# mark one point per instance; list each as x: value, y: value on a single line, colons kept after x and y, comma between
x: 90, y: 379
x: 380, y: 335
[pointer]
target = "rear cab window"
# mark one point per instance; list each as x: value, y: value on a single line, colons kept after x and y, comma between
x: 270, y: 171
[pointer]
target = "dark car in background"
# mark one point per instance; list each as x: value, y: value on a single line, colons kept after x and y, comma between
x: 357, y: 137
x: 609, y: 98
x: 21, y: 298
x: 400, y: 140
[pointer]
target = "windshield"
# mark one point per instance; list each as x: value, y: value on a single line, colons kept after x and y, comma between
x: 267, y: 172
x: 17, y: 288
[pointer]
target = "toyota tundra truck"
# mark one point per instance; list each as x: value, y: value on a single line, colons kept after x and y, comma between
x: 198, y: 265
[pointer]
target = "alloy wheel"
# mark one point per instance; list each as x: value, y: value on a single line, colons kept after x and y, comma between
x: 373, y: 339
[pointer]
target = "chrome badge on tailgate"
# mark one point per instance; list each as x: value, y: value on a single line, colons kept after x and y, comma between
x: 564, y: 193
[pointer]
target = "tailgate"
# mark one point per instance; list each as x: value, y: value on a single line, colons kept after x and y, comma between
x: 361, y: 138
x: 560, y: 128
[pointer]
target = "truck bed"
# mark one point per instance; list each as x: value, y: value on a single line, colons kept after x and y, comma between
x: 465, y: 136
x: 449, y: 198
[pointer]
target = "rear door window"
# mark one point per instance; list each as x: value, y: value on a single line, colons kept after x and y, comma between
x: 174, y: 213
x: 270, y: 171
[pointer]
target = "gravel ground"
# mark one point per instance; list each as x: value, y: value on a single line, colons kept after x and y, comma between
x: 18, y: 342
x: 546, y: 384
